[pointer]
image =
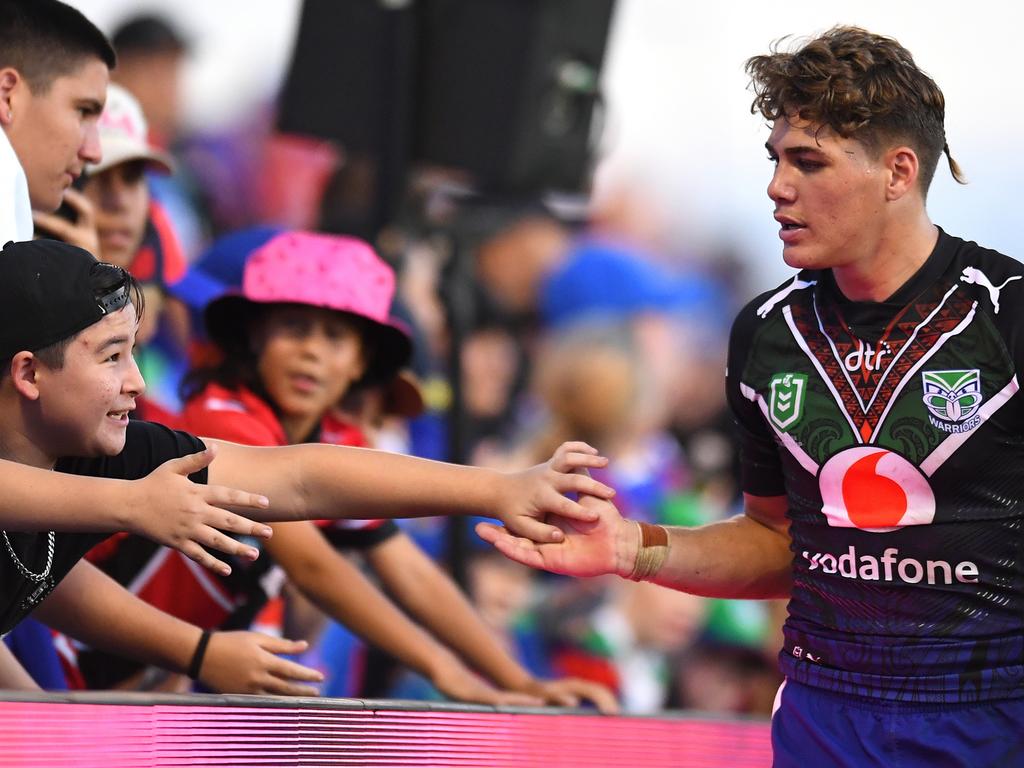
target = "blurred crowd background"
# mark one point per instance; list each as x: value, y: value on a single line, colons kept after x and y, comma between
x: 597, y: 311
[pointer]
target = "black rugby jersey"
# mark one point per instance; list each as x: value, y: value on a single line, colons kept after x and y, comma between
x: 896, y: 431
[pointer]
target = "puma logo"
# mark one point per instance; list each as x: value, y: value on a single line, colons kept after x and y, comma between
x: 796, y: 284
x: 975, y: 276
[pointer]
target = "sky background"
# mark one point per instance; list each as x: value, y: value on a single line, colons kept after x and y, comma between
x: 679, y: 109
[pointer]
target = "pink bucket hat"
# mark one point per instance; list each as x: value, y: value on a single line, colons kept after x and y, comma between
x: 332, y: 271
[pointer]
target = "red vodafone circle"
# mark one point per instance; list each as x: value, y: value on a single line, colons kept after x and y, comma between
x: 873, y: 489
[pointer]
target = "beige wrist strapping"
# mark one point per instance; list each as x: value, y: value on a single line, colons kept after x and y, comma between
x: 651, y: 552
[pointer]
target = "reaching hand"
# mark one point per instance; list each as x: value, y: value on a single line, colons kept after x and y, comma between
x: 535, y: 493
x: 248, y: 662
x: 570, y: 691
x: 608, y: 544
x: 170, y: 509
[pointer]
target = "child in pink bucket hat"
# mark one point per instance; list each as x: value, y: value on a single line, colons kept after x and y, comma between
x: 331, y: 272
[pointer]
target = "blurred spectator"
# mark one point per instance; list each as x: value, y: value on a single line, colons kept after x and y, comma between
x: 628, y: 643
x: 123, y: 209
x: 492, y: 372
x: 726, y: 679
x: 592, y: 383
x: 516, y: 262
x: 503, y: 592
x: 151, y: 53
x: 535, y: 267
x: 677, y: 322
x: 134, y: 232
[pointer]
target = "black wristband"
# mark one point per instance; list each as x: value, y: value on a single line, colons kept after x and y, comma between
x: 196, y: 664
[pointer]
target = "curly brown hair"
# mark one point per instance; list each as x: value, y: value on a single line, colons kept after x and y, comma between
x: 862, y: 86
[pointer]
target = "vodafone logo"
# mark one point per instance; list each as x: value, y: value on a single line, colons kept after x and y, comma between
x: 875, y: 490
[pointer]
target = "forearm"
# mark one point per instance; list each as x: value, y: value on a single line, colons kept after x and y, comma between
x: 35, y: 499
x: 387, y: 485
x: 306, y: 480
x: 90, y: 606
x: 339, y: 589
x: 430, y: 595
x: 735, y: 558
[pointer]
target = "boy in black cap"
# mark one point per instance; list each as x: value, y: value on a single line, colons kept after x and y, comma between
x: 67, y: 391
x: 62, y: 398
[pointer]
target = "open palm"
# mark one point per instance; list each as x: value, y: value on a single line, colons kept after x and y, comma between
x: 588, y: 549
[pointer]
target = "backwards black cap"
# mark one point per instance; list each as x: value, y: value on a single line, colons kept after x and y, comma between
x: 49, y: 291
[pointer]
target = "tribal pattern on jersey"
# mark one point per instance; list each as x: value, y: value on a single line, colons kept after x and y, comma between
x: 896, y: 432
x: 865, y: 375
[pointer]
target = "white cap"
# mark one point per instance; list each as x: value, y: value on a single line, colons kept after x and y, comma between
x: 124, y: 134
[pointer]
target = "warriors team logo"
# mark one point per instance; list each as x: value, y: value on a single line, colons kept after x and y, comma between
x: 873, y: 489
x: 786, y: 405
x: 953, y: 399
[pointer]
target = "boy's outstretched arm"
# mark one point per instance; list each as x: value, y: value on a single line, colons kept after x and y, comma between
x: 316, y: 481
x: 747, y: 556
x: 90, y: 606
x: 164, y: 506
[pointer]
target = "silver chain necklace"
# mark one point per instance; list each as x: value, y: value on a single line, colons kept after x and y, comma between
x: 22, y: 568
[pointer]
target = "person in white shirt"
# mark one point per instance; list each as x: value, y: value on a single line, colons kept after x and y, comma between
x: 54, y: 69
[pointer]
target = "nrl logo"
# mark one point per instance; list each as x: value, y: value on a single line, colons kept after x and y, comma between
x: 953, y: 399
x: 786, y: 405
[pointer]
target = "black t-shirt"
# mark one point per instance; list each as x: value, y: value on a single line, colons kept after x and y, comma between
x: 147, y: 447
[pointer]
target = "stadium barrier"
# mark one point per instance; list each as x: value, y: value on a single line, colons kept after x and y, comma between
x: 119, y: 730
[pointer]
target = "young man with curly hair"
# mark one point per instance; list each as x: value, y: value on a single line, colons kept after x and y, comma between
x: 882, y: 436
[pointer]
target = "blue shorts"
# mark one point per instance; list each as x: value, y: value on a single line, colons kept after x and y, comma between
x: 817, y: 728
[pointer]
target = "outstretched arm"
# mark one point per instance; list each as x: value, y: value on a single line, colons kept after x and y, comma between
x: 747, y: 556
x: 430, y: 595
x: 164, y: 506
x: 90, y: 606
x: 310, y: 481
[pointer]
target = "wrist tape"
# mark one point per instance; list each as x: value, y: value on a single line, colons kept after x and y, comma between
x: 651, y: 552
